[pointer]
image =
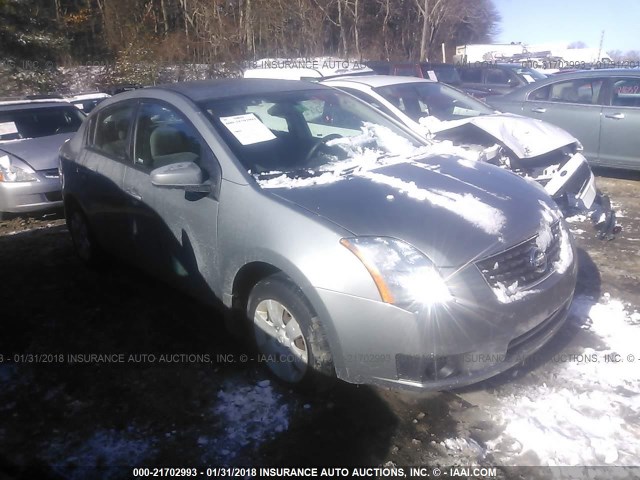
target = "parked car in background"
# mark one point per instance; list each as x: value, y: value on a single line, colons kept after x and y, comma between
x: 533, y: 149
x: 441, y: 72
x: 31, y: 133
x: 601, y: 108
x: 87, y: 101
x: 349, y: 246
x: 497, y: 78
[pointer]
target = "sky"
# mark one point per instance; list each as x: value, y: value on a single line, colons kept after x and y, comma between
x: 559, y: 21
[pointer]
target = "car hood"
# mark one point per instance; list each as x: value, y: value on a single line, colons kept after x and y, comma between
x: 455, y: 211
x: 526, y: 137
x: 39, y: 153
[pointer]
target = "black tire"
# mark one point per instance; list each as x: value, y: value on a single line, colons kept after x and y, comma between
x: 84, y: 241
x: 319, y: 373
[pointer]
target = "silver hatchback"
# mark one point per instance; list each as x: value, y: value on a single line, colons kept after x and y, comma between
x: 352, y: 249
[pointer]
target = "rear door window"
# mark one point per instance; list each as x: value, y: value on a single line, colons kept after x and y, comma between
x: 111, y: 135
x: 626, y: 92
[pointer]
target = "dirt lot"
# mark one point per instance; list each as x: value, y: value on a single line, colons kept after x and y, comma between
x: 167, y: 386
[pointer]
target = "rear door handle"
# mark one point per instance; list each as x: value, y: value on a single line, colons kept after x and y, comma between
x: 615, y: 116
x: 539, y: 110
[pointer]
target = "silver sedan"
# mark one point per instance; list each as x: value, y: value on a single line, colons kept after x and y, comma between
x: 347, y: 244
x: 31, y: 133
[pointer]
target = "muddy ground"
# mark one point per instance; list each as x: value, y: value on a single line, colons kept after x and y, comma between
x: 186, y: 399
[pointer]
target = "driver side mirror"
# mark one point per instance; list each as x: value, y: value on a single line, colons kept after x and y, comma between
x: 183, y: 175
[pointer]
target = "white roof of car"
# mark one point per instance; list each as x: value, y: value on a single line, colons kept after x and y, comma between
x: 375, y: 81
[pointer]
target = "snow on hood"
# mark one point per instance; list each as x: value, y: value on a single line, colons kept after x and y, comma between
x: 526, y: 137
x: 489, y: 219
x: 39, y: 153
x: 449, y: 211
x: 407, y: 195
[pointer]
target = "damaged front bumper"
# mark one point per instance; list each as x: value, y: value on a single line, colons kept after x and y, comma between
x: 573, y: 186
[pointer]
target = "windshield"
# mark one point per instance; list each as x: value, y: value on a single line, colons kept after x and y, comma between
x: 39, y: 122
x: 424, y: 99
x: 306, y: 131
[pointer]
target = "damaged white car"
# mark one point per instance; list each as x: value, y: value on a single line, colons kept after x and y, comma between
x: 464, y: 126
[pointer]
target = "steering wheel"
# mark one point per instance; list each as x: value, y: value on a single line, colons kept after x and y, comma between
x: 321, y: 144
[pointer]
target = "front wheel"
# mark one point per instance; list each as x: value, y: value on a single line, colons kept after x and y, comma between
x: 288, y: 335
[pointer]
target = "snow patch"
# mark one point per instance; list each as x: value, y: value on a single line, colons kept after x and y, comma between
x: 249, y: 415
x: 576, y: 219
x: 105, y: 448
x: 509, y: 293
x: 566, y: 251
x: 587, y: 417
x: 487, y: 218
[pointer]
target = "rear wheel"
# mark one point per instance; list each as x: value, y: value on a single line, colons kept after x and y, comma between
x: 288, y: 335
x: 83, y: 239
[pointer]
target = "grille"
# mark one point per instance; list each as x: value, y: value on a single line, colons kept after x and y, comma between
x: 515, y: 264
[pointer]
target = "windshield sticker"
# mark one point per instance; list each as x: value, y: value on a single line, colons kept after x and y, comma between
x: 247, y: 128
x: 528, y: 78
x: 8, y: 128
x: 464, y: 112
x: 432, y: 75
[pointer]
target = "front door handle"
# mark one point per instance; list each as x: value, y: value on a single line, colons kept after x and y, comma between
x: 615, y: 116
x: 539, y: 110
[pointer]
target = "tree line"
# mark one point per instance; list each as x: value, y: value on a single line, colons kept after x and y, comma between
x: 208, y: 31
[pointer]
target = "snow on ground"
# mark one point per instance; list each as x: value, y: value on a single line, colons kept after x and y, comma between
x: 590, y: 414
x: 242, y: 417
x: 247, y: 416
x: 104, y: 448
x: 577, y: 219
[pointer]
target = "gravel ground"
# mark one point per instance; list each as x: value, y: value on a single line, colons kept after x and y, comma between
x: 167, y: 386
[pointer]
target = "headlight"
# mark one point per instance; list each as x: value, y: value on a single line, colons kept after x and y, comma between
x: 15, y: 171
x: 404, y: 276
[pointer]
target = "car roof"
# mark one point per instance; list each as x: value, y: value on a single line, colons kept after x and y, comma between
x: 376, y: 81
x: 13, y: 105
x: 205, y: 90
